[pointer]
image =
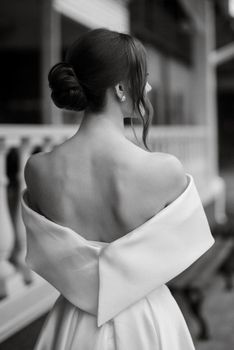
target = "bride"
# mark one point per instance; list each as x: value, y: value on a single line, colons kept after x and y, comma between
x: 101, y: 196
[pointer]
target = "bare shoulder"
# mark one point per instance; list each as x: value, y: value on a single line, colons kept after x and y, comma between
x: 34, y: 171
x: 167, y: 174
x: 34, y: 166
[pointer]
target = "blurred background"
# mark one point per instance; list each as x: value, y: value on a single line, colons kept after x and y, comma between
x: 190, y: 47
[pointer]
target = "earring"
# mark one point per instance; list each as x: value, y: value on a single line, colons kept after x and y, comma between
x: 123, y: 98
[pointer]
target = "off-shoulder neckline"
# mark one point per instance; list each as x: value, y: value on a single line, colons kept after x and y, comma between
x: 78, y: 235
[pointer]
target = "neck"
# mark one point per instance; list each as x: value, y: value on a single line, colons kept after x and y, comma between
x: 108, y: 121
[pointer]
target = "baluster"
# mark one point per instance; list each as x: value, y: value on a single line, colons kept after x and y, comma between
x: 48, y: 144
x: 160, y: 144
x: 154, y: 144
x: 175, y: 147
x: 184, y: 149
x: 165, y: 144
x: 18, y: 256
x: 203, y: 150
x: 10, y: 279
x: 187, y: 150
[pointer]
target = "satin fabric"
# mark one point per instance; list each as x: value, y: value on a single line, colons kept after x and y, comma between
x: 114, y: 295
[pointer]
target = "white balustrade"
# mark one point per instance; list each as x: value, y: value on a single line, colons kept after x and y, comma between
x: 10, y: 279
x: 48, y: 144
x: 19, y: 253
x: 187, y: 143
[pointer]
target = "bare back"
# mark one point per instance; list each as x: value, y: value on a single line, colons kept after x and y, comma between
x: 100, y: 192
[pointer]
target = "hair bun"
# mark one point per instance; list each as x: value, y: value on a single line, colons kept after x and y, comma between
x: 66, y: 90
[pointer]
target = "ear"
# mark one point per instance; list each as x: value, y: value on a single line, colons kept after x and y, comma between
x: 119, y: 90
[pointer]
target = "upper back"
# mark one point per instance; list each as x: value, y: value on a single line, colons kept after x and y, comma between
x: 102, y: 195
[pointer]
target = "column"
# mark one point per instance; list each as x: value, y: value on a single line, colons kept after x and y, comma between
x: 50, y: 54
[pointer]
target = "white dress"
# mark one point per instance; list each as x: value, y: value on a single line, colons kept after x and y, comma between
x: 113, y: 295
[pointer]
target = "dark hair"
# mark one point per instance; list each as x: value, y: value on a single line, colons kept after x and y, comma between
x: 99, y: 59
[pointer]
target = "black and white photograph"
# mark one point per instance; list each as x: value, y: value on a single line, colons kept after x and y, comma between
x: 117, y: 174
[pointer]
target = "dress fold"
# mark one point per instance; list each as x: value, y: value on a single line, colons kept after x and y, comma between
x: 114, y: 295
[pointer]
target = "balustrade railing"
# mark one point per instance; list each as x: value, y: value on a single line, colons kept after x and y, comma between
x: 188, y: 143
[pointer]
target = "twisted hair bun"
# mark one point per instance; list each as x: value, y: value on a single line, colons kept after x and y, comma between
x: 66, y: 92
